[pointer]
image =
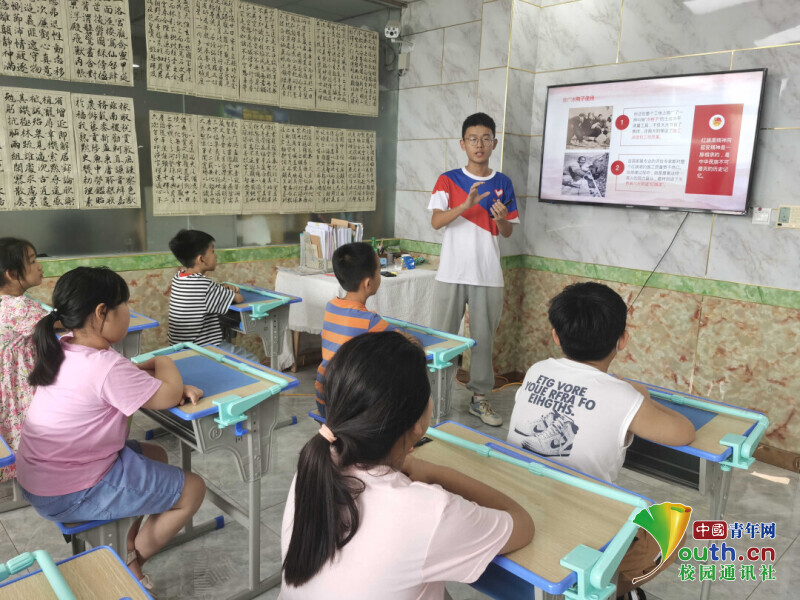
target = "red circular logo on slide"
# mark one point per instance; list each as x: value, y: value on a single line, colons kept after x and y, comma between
x: 622, y: 122
x: 617, y: 167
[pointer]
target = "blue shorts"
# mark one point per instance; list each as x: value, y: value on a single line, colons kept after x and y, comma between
x: 134, y: 486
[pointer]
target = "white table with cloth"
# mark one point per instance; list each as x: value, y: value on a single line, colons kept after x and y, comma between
x: 408, y: 297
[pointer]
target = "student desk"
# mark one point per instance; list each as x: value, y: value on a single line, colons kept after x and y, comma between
x: 409, y: 297
x: 238, y: 414
x: 97, y: 574
x: 440, y: 349
x: 131, y: 344
x: 6, y: 455
x: 726, y: 438
x: 7, y: 458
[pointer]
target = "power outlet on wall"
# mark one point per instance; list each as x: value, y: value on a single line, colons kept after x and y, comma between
x: 761, y: 215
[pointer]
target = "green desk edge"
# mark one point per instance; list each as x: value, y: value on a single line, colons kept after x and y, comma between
x: 743, y: 447
x: 232, y: 408
x: 442, y: 357
x: 594, y: 568
x: 49, y: 568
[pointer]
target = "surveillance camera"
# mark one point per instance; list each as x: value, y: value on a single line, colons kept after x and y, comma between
x: 392, y: 30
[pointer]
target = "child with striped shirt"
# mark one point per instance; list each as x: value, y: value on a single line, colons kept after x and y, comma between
x: 358, y: 270
x: 196, y: 302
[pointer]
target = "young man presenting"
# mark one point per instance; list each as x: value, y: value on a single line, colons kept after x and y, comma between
x: 473, y: 204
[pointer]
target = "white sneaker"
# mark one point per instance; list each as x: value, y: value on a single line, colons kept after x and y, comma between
x: 484, y: 410
x: 556, y: 441
x: 537, y: 426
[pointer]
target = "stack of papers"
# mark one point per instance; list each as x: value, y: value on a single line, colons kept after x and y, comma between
x: 325, y: 239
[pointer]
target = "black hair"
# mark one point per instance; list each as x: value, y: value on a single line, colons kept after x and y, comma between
x: 353, y: 263
x: 589, y: 318
x: 188, y: 244
x: 75, y: 297
x: 475, y: 120
x: 13, y: 259
x: 376, y: 389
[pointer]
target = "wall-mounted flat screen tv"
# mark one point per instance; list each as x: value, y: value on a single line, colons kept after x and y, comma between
x: 684, y: 142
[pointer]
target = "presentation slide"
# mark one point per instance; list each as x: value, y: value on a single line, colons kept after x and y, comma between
x: 683, y: 142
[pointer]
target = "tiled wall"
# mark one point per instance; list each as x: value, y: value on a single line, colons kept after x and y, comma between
x: 708, y: 339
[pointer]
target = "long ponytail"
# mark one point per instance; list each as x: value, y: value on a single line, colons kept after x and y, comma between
x: 376, y: 389
x: 76, y: 296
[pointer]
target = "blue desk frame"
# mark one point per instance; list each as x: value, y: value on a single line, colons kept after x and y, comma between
x: 249, y: 440
x: 716, y: 469
x: 59, y: 584
x: 266, y: 318
x: 441, y: 362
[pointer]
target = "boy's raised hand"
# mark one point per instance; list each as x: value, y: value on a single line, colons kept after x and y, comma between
x: 473, y: 198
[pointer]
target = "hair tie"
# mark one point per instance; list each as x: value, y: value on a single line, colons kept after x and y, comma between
x: 325, y: 432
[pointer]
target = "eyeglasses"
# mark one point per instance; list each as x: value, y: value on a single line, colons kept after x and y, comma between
x: 483, y: 141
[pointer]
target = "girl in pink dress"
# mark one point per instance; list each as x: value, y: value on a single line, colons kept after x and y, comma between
x: 19, y: 271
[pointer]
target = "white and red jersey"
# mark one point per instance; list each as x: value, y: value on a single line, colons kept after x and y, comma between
x: 470, y: 252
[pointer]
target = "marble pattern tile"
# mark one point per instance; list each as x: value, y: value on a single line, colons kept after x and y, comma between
x: 413, y: 219
x: 785, y: 585
x: 578, y: 34
x: 747, y: 356
x: 519, y: 102
x: 461, y: 53
x: 426, y: 60
x: 495, y: 32
x: 782, y: 92
x: 634, y: 239
x: 432, y: 14
x: 690, y: 64
x: 746, y: 253
x: 677, y: 28
x: 492, y: 85
x: 435, y: 112
x: 516, y: 156
x: 524, y: 35
x: 775, y: 157
x: 419, y: 163
x: 534, y: 165
x: 515, y: 244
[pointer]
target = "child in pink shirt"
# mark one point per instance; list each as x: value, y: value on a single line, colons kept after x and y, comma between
x: 19, y: 272
x: 364, y: 519
x: 74, y: 463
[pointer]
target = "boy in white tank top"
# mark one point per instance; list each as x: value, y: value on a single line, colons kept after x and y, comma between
x: 573, y: 411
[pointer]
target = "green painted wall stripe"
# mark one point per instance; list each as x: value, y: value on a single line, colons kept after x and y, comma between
x: 164, y: 260
x: 676, y: 283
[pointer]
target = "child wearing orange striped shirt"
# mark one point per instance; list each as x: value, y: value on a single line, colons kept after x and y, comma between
x: 358, y: 270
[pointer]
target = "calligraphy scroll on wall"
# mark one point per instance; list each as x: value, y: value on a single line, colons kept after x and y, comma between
x: 174, y: 163
x: 34, y: 39
x: 100, y: 41
x: 219, y: 149
x: 296, y: 60
x: 298, y: 168
x: 331, y: 164
x: 40, y: 149
x: 108, y: 157
x: 361, y: 177
x: 331, y: 66
x: 363, y: 68
x: 261, y: 172
x: 216, y: 49
x: 258, y: 54
x: 170, y: 37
